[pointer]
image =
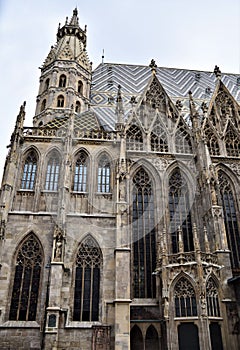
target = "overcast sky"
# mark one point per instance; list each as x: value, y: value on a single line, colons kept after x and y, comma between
x: 176, y: 33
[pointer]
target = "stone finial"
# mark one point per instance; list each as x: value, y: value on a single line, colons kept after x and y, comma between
x: 153, y: 66
x: 217, y: 72
x: 204, y: 107
x: 119, y: 106
x: 179, y: 105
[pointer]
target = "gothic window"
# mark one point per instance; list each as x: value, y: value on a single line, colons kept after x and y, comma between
x: 78, y: 107
x: 212, y: 299
x: 104, y: 175
x: 60, y: 101
x: 232, y: 142
x: 80, y: 174
x: 80, y: 87
x: 46, y: 84
x: 53, y: 172
x: 136, y: 338
x: 134, y: 138
x: 143, y: 237
x: 159, y: 141
x: 185, y: 299
x: 151, y: 340
x: 212, y: 142
x: 230, y: 218
x: 182, y: 140
x: 62, y: 80
x: 179, y: 211
x: 26, y: 280
x: 29, y: 171
x: 87, y: 281
x: 43, y: 105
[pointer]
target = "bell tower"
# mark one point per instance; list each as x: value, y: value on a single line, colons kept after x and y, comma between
x: 65, y: 74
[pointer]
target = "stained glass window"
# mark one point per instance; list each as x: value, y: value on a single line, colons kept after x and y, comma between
x: 80, y: 174
x: 29, y: 171
x: 53, y: 172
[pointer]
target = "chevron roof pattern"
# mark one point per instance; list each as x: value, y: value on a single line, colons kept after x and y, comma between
x: 134, y: 79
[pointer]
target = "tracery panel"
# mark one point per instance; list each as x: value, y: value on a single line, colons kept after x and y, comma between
x: 53, y: 172
x: 159, y: 141
x: 104, y: 175
x: 80, y: 173
x: 29, y: 171
x: 185, y: 299
x: 134, y: 138
x: 212, y: 298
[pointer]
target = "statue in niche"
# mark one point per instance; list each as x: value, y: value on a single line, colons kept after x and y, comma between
x: 58, y: 244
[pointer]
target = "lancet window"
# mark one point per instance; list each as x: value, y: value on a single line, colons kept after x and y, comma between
x: 232, y: 142
x: 53, y: 172
x: 62, y: 80
x: 87, y: 281
x: 80, y: 87
x: 230, y: 217
x: 29, y: 171
x: 159, y: 141
x: 212, y: 298
x: 60, y: 101
x: 182, y: 140
x: 78, y: 107
x: 143, y: 236
x: 179, y: 211
x: 80, y: 174
x: 43, y: 105
x: 134, y: 138
x: 185, y: 299
x: 26, y: 283
x: 104, y: 175
x: 212, y: 142
x: 47, y: 81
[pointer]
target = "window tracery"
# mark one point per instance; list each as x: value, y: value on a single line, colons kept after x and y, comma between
x: 212, y: 298
x: 26, y: 280
x: 185, y: 299
x: 182, y: 140
x: 80, y: 174
x: 232, y: 142
x: 230, y: 218
x: 143, y: 236
x: 53, y: 172
x: 87, y: 281
x: 134, y: 138
x: 212, y: 142
x: 104, y: 175
x: 159, y: 141
x: 29, y: 171
x: 179, y: 211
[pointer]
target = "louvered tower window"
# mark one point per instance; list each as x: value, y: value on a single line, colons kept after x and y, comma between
x: 230, y: 217
x: 26, y: 280
x: 185, y: 299
x: 212, y: 298
x: 80, y: 174
x: 143, y: 236
x: 29, y: 171
x: 87, y: 281
x: 53, y: 172
x: 179, y: 211
x: 104, y: 175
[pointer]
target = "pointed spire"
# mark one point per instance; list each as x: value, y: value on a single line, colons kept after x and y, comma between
x: 74, y: 19
x: 206, y: 241
x: 195, y: 237
x: 193, y: 111
x: 119, y: 106
x: 153, y: 66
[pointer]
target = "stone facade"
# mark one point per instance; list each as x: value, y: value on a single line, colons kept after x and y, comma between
x: 120, y: 221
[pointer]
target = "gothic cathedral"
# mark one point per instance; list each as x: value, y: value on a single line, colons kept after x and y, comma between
x: 120, y: 208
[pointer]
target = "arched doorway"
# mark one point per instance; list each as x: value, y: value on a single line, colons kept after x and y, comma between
x: 136, y: 339
x: 188, y: 336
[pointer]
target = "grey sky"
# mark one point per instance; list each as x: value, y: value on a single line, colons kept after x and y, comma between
x: 176, y: 33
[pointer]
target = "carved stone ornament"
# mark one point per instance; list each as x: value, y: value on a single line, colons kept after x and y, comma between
x: 161, y: 164
x: 58, y: 249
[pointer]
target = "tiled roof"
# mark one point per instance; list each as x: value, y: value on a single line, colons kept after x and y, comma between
x: 134, y: 79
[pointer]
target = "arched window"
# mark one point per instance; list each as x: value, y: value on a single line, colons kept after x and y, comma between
x: 159, y: 141
x: 230, y: 217
x: 179, y: 211
x: 136, y: 339
x: 143, y: 237
x: 26, y: 280
x: 62, y: 80
x: 46, y: 84
x: 53, y: 172
x: 29, y: 171
x: 134, y: 138
x: 43, y: 105
x: 212, y: 141
x: 182, y: 140
x: 104, y: 175
x: 212, y: 299
x: 87, y: 281
x: 232, y: 142
x: 60, y: 101
x: 80, y: 87
x: 185, y: 299
x: 80, y: 174
x: 151, y: 340
x: 78, y: 107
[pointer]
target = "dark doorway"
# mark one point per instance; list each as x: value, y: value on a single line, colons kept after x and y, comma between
x: 216, y: 336
x: 151, y: 341
x: 188, y: 337
x: 136, y: 339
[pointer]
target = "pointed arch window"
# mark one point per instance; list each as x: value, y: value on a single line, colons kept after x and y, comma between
x: 29, y: 171
x: 182, y: 140
x: 212, y: 298
x: 87, y: 281
x: 80, y: 87
x: 62, y: 80
x: 46, y: 86
x: 185, y: 299
x: 80, y: 174
x: 53, y: 172
x: 179, y: 211
x: 159, y: 141
x: 143, y: 237
x: 104, y: 175
x: 212, y: 142
x: 78, y: 107
x: 136, y: 339
x: 232, y: 142
x: 230, y: 218
x: 26, y: 283
x: 134, y: 138
x: 43, y: 105
x: 60, y: 101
